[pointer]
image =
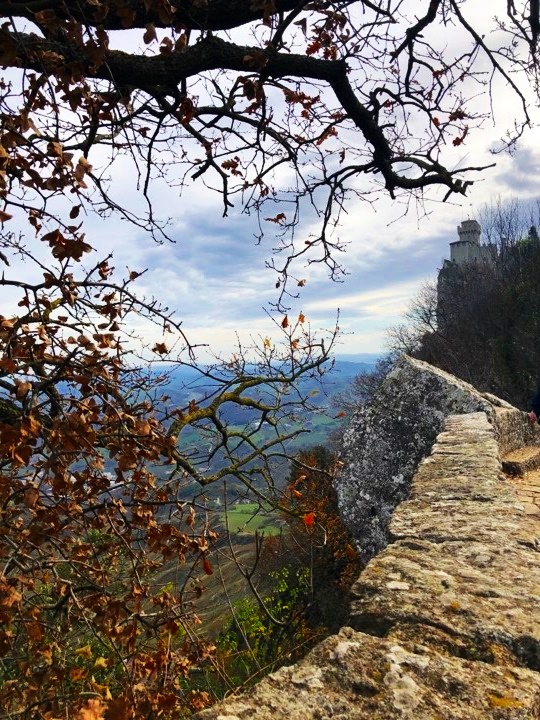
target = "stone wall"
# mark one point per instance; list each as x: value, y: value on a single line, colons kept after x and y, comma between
x: 387, y: 439
x: 445, y: 620
x: 512, y: 428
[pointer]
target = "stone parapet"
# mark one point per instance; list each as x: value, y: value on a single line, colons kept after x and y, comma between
x: 389, y: 437
x: 354, y: 676
x: 514, y: 429
x: 446, y: 619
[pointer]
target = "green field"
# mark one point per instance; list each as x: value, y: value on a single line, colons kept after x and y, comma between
x: 225, y: 585
x: 246, y: 518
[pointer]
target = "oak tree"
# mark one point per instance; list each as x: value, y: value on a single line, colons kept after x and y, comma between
x: 282, y: 106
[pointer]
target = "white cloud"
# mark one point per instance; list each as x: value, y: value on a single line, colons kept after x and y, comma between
x: 391, y: 299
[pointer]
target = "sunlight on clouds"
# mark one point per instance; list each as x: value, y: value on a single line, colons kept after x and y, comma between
x: 385, y: 301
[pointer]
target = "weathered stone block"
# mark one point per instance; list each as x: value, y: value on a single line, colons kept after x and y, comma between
x: 352, y: 676
x: 484, y: 595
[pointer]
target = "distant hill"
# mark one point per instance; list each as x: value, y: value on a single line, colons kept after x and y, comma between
x: 187, y: 383
x: 368, y: 358
x: 352, y: 368
x: 320, y: 421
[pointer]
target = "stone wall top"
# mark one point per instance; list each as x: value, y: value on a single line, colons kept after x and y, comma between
x: 446, y: 619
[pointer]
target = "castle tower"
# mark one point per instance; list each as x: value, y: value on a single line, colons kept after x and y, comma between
x: 464, y: 252
x: 468, y: 247
x: 469, y: 231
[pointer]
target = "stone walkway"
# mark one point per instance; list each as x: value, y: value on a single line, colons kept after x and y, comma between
x: 522, y: 469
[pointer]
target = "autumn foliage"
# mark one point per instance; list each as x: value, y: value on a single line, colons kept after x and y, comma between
x: 94, y: 462
x: 93, y: 483
x: 85, y: 523
x: 322, y: 540
x: 301, y: 590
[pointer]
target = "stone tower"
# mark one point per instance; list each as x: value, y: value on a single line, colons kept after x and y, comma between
x: 467, y: 250
x: 468, y: 246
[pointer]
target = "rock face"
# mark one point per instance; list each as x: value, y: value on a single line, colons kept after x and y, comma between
x: 352, y: 676
x: 387, y: 439
x: 446, y: 618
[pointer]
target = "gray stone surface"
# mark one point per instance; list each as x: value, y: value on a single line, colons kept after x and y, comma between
x: 452, y: 471
x: 514, y: 430
x: 468, y: 567
x: 387, y: 439
x: 483, y: 596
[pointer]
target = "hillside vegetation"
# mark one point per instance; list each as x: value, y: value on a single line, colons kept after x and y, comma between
x: 118, y: 119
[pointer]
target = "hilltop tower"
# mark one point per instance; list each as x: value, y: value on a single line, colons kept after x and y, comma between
x: 471, y: 261
x: 467, y: 250
x: 468, y: 247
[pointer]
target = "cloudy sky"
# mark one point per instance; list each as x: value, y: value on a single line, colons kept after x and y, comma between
x: 214, y: 273
x: 215, y: 276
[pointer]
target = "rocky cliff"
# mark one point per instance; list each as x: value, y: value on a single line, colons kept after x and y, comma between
x: 445, y: 619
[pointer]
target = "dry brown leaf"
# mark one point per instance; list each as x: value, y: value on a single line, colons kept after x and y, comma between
x: 93, y: 710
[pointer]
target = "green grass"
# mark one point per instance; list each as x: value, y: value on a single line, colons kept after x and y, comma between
x: 248, y: 518
x: 214, y: 605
